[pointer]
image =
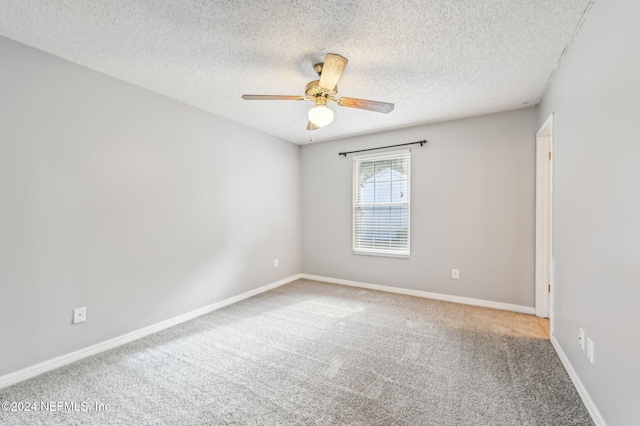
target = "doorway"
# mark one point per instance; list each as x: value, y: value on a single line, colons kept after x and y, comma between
x: 544, y: 223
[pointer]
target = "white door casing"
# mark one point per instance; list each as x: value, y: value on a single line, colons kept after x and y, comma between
x: 544, y: 223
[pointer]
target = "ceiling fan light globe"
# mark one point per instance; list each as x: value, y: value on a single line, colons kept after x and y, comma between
x: 320, y: 115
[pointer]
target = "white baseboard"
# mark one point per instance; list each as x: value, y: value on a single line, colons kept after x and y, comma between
x: 54, y: 363
x: 582, y: 391
x: 426, y: 294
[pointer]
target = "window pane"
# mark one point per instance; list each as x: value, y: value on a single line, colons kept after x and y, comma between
x: 400, y: 165
x: 399, y: 191
x: 381, y: 165
x: 383, y: 192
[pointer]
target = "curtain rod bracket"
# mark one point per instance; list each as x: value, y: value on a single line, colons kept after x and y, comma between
x: 422, y: 142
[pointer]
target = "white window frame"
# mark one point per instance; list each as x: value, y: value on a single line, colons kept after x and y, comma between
x: 379, y: 252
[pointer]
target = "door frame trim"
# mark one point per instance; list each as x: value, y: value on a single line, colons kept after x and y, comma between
x: 544, y: 221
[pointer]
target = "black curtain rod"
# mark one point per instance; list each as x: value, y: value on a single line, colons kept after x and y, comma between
x: 383, y: 147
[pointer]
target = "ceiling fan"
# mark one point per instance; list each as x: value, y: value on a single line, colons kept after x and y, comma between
x: 323, y: 91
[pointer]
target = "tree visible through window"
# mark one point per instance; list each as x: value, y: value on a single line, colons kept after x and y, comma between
x: 381, y: 204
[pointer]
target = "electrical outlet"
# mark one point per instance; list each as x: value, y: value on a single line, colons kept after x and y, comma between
x: 590, y: 350
x: 581, y: 338
x: 275, y: 263
x: 79, y: 315
x: 455, y: 274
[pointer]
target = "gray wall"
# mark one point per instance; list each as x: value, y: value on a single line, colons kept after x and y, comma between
x: 137, y: 206
x: 473, y: 205
x: 594, y: 98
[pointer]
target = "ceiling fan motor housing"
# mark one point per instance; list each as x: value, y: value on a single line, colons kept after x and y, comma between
x: 313, y: 90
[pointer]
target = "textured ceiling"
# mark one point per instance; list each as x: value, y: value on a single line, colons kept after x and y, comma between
x: 434, y: 59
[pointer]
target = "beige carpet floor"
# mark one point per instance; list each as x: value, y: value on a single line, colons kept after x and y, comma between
x: 311, y: 353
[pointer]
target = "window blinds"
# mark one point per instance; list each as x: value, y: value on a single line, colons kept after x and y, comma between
x: 381, y: 203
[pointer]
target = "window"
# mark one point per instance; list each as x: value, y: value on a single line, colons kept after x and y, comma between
x: 381, y: 193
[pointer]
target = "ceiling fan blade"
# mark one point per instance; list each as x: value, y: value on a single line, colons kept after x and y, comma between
x: 376, y: 106
x: 312, y: 126
x: 272, y: 98
x: 332, y: 70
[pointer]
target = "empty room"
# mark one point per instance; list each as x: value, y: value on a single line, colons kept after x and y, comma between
x: 319, y: 213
